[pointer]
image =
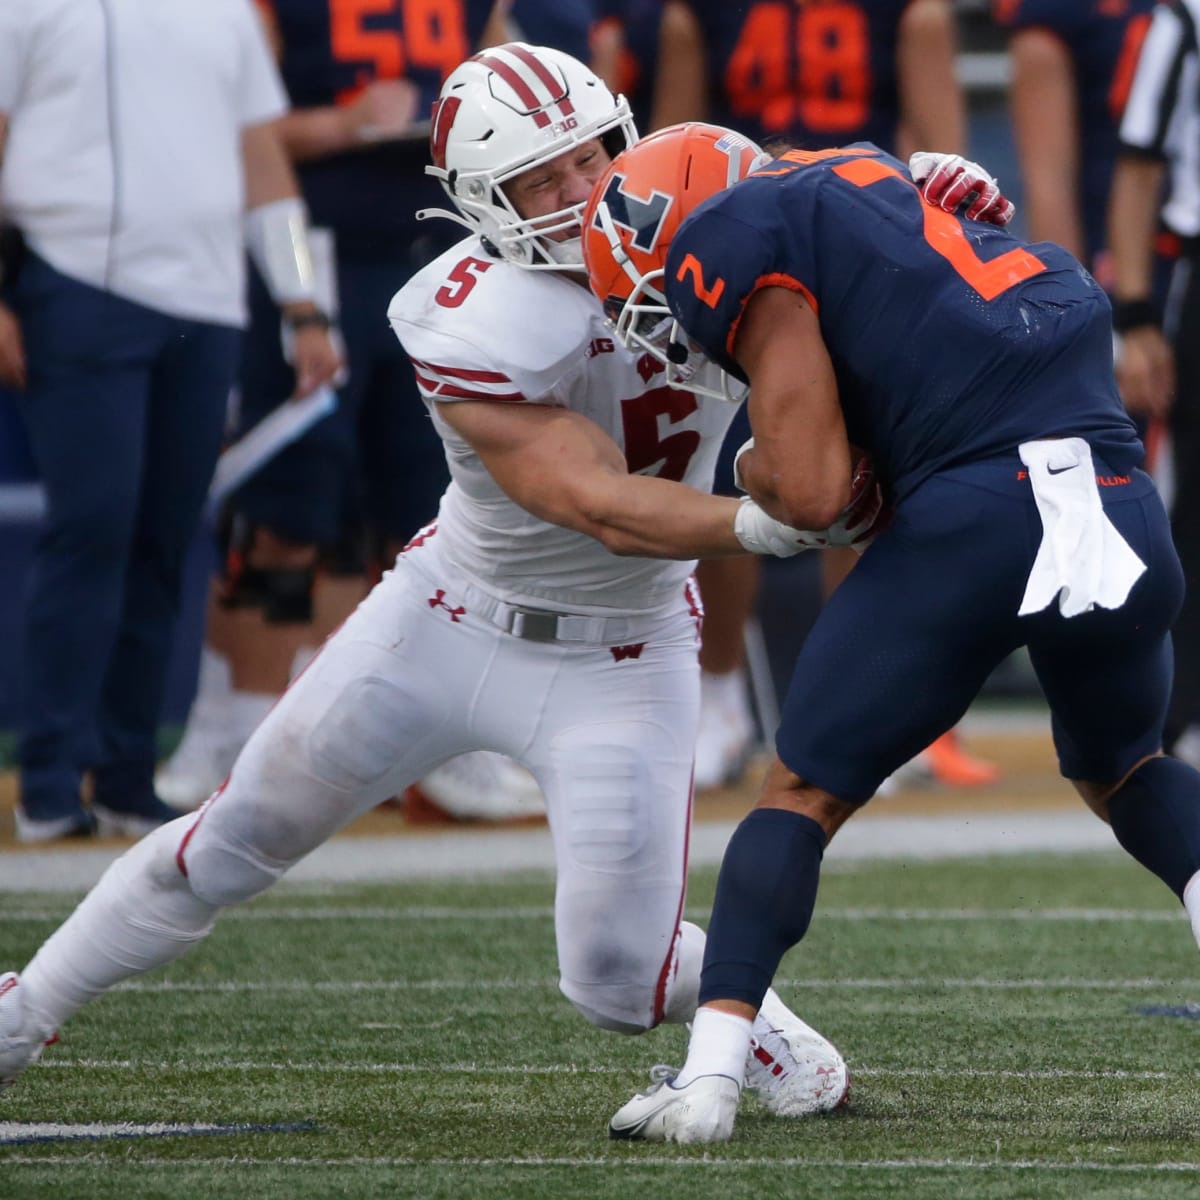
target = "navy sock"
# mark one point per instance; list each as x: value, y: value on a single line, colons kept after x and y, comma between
x: 1156, y: 817
x: 764, y: 902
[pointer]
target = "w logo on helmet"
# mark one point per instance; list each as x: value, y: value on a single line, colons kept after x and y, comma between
x: 643, y: 218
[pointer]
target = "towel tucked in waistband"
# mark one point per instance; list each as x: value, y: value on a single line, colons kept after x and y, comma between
x: 1082, y: 559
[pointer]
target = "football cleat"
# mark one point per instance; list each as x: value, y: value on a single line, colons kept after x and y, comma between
x: 949, y: 764
x: 479, y: 786
x: 20, y: 1045
x: 49, y: 829
x: 138, y: 818
x: 793, y: 1070
x: 702, y: 1111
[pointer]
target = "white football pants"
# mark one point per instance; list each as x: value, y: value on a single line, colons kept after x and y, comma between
x: 413, y: 678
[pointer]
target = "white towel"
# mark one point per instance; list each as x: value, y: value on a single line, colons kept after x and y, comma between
x: 1083, y: 559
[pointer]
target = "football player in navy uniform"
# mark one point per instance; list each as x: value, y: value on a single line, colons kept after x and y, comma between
x: 971, y: 375
x: 823, y: 73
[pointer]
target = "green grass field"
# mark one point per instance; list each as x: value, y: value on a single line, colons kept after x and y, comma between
x: 410, y: 1042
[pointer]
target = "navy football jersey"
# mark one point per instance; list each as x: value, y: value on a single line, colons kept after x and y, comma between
x: 821, y: 73
x: 950, y: 339
x: 1102, y: 38
x: 330, y: 50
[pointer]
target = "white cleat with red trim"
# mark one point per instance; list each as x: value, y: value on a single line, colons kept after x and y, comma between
x: 791, y: 1068
x: 20, y: 1044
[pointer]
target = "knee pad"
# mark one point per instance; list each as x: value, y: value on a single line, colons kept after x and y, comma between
x: 612, y: 1017
x: 223, y: 866
x: 285, y: 594
x: 605, y: 826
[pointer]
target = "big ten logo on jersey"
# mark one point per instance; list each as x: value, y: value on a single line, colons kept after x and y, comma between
x: 600, y: 346
x: 806, y: 62
x: 393, y: 39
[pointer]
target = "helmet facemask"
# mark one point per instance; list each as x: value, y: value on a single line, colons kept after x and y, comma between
x: 643, y: 321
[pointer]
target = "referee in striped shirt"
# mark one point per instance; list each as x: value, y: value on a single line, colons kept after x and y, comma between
x: 1156, y: 198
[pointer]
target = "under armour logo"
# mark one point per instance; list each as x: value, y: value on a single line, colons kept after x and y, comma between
x: 634, y: 651
x: 438, y: 600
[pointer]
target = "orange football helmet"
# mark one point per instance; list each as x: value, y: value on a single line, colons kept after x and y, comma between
x: 635, y: 210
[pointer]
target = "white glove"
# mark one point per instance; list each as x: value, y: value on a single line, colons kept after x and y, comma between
x: 762, y: 534
x: 737, y: 464
x: 948, y: 180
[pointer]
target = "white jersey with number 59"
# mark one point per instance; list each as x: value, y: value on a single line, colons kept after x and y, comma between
x: 481, y: 328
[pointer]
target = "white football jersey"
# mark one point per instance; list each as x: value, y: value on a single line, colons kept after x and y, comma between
x: 481, y: 328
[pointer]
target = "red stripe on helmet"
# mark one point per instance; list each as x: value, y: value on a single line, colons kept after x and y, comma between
x: 441, y: 121
x: 524, y: 92
x: 558, y: 92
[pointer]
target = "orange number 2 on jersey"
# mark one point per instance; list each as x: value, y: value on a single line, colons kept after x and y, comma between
x: 691, y: 266
x: 944, y: 234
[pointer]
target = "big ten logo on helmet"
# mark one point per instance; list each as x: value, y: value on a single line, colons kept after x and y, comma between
x: 644, y: 218
x: 564, y: 126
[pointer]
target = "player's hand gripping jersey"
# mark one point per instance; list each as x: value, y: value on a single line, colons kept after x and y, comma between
x: 479, y: 328
x: 937, y: 326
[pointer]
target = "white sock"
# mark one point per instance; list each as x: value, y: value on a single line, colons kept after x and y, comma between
x: 142, y: 914
x: 719, y: 1045
x: 1191, y: 901
x: 726, y: 691
x: 684, y: 990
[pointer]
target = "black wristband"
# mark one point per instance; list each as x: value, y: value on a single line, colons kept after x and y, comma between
x: 304, y: 320
x: 1130, y: 314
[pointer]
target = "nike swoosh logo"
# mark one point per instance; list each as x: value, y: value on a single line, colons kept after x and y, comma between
x: 1060, y: 470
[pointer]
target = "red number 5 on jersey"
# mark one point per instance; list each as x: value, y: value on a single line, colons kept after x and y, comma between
x: 459, y: 283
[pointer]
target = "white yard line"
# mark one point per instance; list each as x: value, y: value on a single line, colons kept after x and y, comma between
x: 421, y: 915
x: 618, y: 1161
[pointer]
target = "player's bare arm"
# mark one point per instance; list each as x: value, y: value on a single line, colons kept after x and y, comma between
x: 799, y: 466
x: 681, y: 85
x: 931, y: 102
x: 566, y: 470
x: 12, y: 346
x: 270, y: 180
x: 1046, y: 124
x: 1146, y: 368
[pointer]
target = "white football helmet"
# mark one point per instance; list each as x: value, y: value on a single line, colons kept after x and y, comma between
x: 506, y: 110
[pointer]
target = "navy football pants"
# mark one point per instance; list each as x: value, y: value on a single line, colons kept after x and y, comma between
x: 906, y: 642
x: 125, y: 409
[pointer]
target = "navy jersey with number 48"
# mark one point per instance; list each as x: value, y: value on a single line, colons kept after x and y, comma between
x: 940, y: 329
x: 821, y: 73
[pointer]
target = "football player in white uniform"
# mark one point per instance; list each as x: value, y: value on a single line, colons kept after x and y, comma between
x: 547, y: 615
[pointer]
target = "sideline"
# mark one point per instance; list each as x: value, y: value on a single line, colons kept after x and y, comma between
x: 459, y: 853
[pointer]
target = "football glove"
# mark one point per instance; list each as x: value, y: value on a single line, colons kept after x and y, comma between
x: 949, y: 180
x: 862, y: 518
